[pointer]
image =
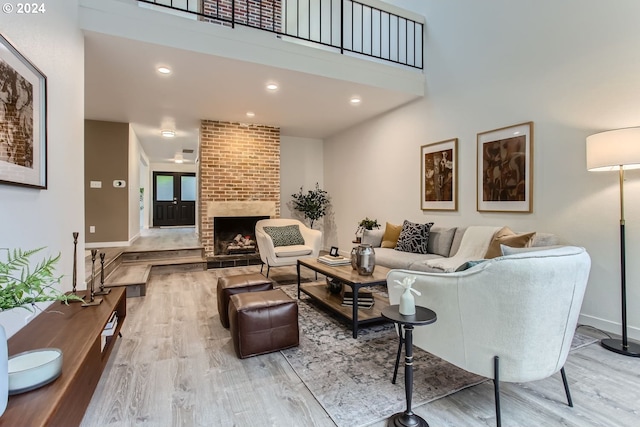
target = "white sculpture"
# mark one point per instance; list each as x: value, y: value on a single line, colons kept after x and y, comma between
x: 407, y: 301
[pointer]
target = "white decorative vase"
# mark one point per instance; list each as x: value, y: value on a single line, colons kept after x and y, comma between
x: 4, y: 371
x: 407, y: 303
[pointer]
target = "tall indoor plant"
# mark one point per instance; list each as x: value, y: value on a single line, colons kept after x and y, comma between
x: 313, y: 204
x: 22, y: 286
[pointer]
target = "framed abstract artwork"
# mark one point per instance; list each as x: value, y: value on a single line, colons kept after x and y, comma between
x: 505, y: 169
x: 23, y: 120
x: 439, y: 176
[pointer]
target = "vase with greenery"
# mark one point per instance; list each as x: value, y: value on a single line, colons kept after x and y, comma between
x: 365, y: 224
x: 22, y: 286
x: 313, y: 204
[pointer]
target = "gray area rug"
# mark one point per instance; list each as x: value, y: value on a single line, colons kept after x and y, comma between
x: 351, y: 378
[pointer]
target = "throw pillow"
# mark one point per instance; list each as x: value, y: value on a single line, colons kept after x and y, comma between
x: 508, y: 250
x: 390, y: 236
x: 414, y: 237
x: 287, y: 235
x: 440, y: 241
x: 506, y: 237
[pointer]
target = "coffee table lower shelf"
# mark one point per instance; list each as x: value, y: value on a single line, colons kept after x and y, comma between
x: 319, y: 292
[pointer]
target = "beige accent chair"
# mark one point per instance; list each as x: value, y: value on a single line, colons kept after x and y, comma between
x: 278, y: 256
x: 511, y: 318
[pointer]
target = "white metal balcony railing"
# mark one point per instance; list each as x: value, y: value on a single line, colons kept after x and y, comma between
x: 346, y: 25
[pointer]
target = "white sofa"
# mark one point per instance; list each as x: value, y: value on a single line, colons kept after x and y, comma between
x: 277, y: 256
x: 520, y: 310
x: 443, y: 242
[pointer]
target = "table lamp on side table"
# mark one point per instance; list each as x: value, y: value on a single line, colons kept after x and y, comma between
x: 617, y: 150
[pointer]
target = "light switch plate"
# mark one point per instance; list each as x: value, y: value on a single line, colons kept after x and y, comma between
x: 95, y: 184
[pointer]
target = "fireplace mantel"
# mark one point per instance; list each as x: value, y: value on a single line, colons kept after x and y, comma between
x: 246, y: 208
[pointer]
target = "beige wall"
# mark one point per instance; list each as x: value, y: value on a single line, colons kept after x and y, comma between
x: 32, y: 218
x: 567, y: 67
x: 106, y: 160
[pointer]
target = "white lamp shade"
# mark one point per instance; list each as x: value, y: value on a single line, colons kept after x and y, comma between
x: 613, y: 149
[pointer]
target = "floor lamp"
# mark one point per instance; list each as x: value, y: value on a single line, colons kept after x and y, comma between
x: 617, y: 150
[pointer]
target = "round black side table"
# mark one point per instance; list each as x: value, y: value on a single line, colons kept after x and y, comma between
x: 423, y: 316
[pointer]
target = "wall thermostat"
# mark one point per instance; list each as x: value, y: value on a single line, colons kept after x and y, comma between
x: 119, y: 183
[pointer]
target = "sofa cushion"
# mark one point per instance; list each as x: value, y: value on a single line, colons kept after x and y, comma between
x: 505, y: 236
x: 440, y: 241
x: 390, y: 236
x: 286, y: 235
x: 292, y: 250
x: 413, y: 237
x: 392, y: 258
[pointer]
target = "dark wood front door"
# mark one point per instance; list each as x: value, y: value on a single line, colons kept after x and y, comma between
x: 174, y: 198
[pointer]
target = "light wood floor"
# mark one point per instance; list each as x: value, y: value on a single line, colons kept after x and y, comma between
x: 175, y: 366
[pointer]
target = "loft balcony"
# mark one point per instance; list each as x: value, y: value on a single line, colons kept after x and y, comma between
x: 347, y: 26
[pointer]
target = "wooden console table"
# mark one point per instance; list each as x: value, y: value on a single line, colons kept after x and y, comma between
x: 77, y: 332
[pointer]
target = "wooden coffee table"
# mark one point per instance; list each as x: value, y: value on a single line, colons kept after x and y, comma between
x: 351, y: 278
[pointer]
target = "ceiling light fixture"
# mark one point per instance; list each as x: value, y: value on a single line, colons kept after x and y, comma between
x: 251, y: 114
x: 355, y: 100
x: 272, y: 86
x: 164, y: 70
x: 168, y: 133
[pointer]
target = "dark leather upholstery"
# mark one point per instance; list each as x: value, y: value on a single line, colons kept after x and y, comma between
x: 231, y: 285
x: 263, y: 322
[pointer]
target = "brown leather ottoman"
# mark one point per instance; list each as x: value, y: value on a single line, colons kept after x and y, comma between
x: 231, y: 285
x: 262, y: 322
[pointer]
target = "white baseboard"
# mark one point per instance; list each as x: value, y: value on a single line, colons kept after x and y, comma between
x: 98, y: 245
x: 609, y: 326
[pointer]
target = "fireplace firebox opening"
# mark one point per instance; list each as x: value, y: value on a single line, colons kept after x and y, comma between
x: 235, y: 234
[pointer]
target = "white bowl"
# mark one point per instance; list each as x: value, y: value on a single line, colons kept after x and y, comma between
x: 33, y: 369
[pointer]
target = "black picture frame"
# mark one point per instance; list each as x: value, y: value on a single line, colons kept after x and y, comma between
x: 333, y: 251
x: 23, y: 127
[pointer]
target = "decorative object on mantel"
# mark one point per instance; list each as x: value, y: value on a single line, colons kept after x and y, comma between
x: 75, y: 268
x: 93, y: 301
x: 365, y: 259
x: 22, y: 286
x: 312, y: 205
x: 407, y: 301
x: 33, y: 369
x: 102, y: 290
x: 617, y: 150
x: 365, y: 224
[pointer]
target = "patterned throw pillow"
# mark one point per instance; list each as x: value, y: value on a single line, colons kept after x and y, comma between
x: 287, y: 235
x: 414, y: 237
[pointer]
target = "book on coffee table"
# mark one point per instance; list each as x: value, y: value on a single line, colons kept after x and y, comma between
x: 334, y: 260
x: 361, y: 303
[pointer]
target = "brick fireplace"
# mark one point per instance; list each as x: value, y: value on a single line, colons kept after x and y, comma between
x: 239, y: 174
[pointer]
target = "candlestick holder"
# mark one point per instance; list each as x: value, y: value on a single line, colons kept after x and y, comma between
x: 93, y: 301
x: 74, y: 277
x: 102, y: 290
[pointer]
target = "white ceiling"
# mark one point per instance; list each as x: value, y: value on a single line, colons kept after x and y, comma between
x: 122, y: 85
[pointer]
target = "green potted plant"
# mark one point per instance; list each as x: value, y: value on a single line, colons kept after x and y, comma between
x: 313, y: 204
x: 22, y: 286
x: 365, y: 224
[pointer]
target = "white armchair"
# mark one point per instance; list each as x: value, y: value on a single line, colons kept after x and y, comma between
x: 277, y: 256
x: 511, y: 318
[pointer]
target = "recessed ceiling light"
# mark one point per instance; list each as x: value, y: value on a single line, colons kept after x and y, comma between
x: 168, y: 133
x: 251, y: 114
x: 355, y: 100
x: 272, y: 86
x: 164, y: 70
